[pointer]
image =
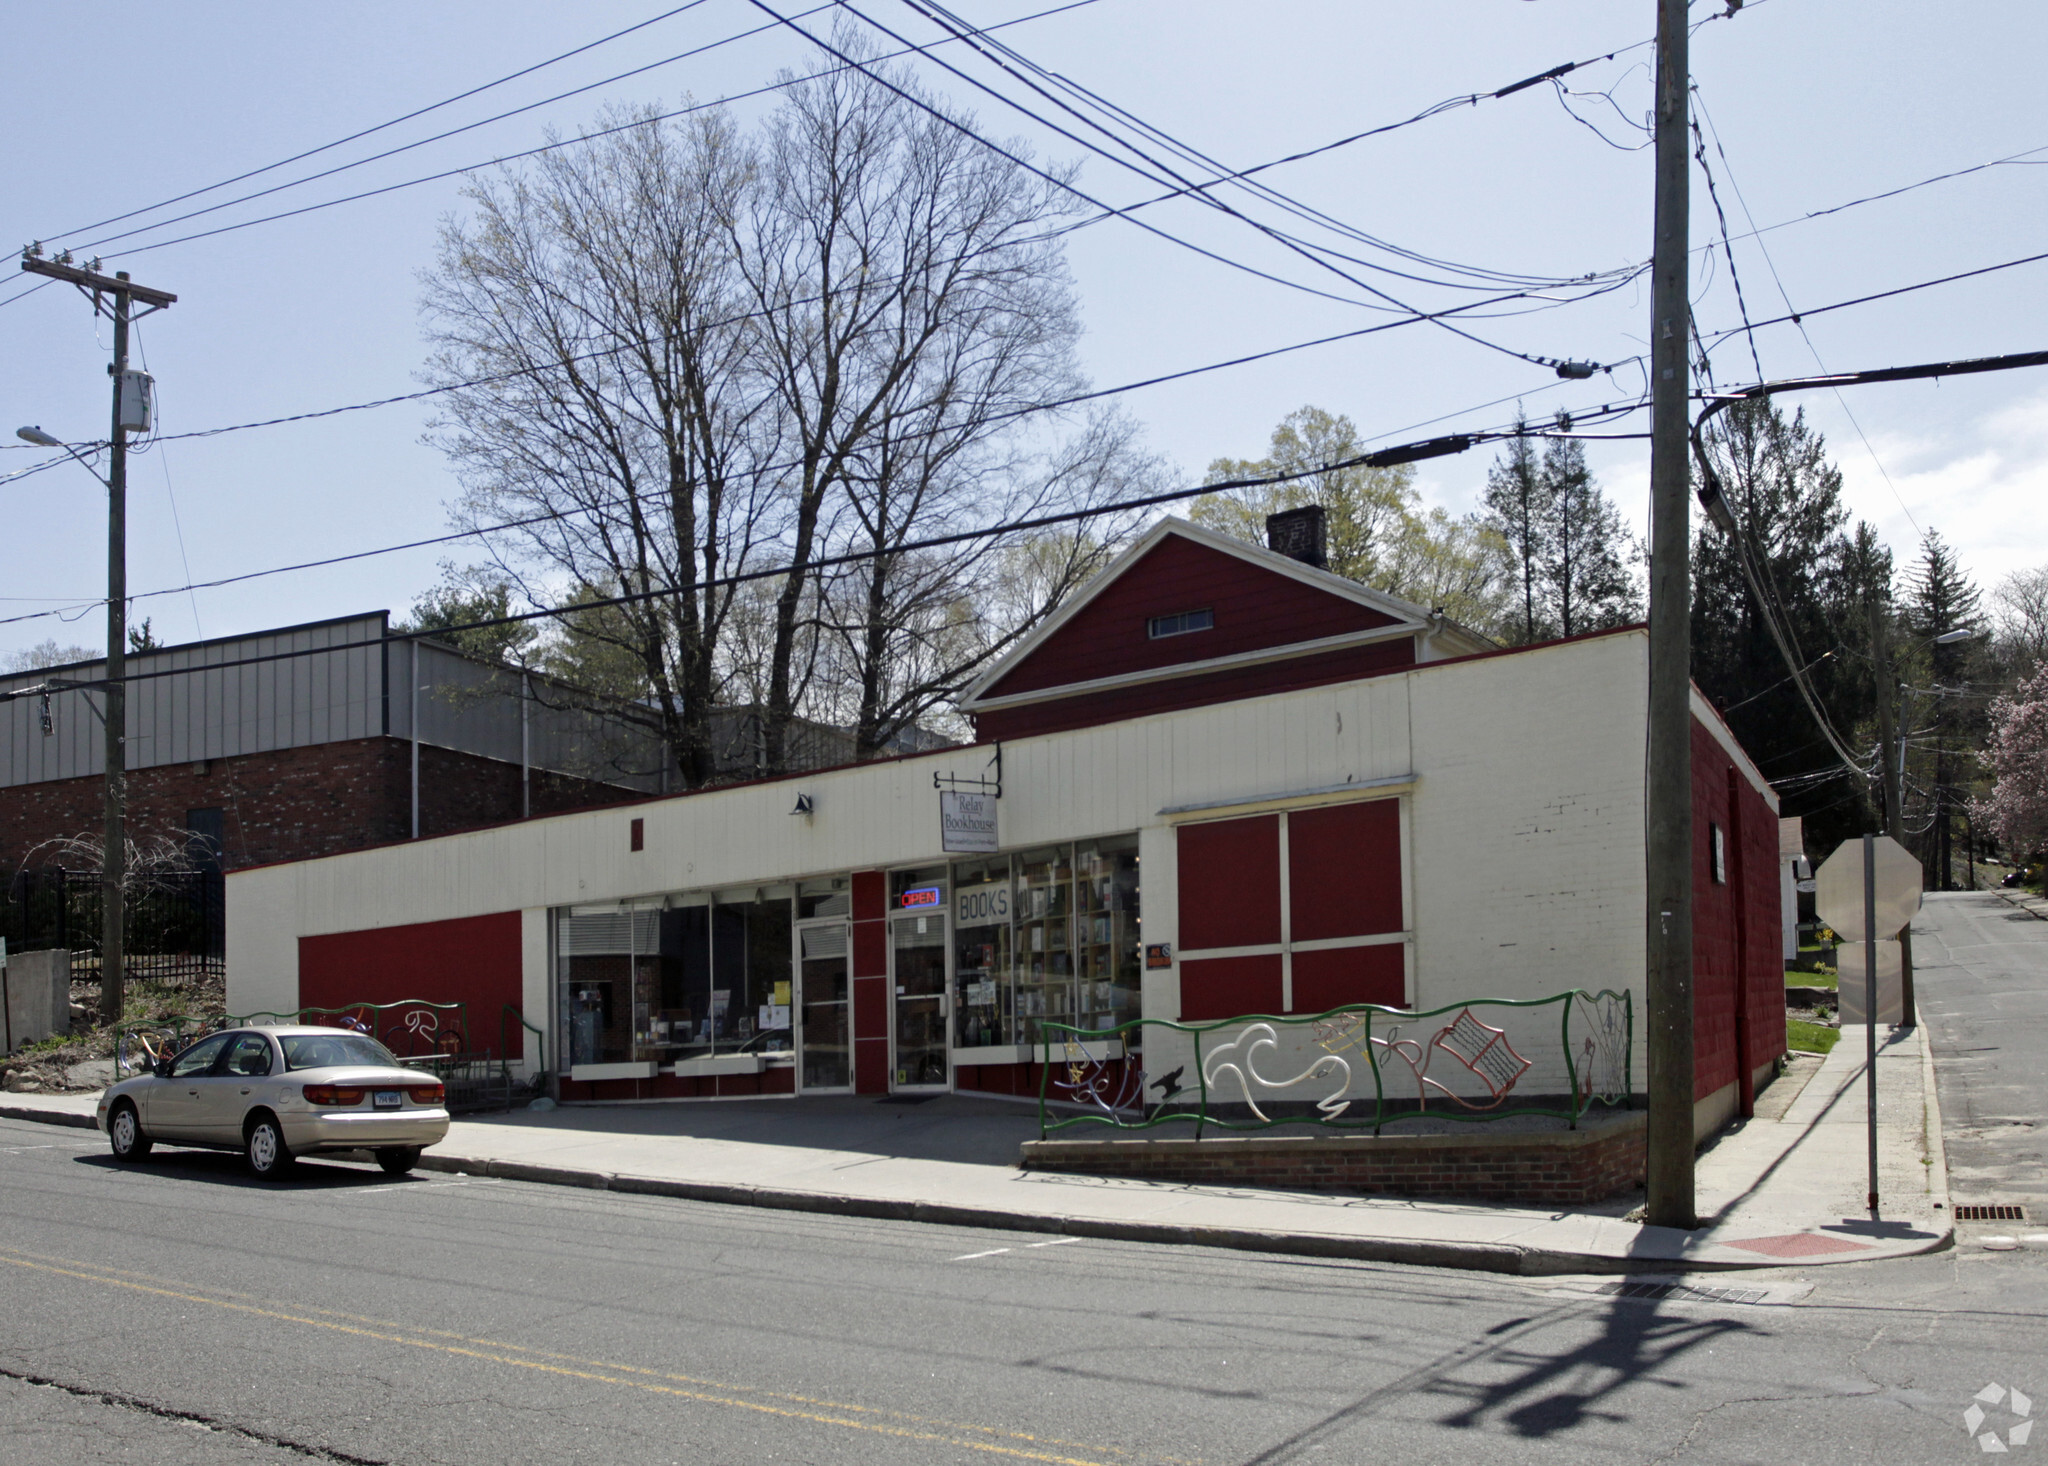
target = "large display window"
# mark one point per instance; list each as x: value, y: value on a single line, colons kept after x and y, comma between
x: 699, y: 976
x: 1051, y: 933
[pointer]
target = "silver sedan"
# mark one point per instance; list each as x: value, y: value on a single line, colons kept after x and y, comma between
x: 275, y: 1093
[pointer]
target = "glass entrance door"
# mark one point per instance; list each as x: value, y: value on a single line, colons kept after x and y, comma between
x: 824, y: 1014
x: 918, y: 961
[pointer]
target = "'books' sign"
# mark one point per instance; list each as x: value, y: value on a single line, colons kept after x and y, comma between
x: 967, y: 823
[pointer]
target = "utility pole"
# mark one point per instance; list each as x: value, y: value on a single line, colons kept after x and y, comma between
x: 1888, y: 819
x: 1669, y: 1169
x: 114, y: 856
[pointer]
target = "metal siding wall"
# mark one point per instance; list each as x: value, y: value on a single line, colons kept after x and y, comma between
x: 217, y: 713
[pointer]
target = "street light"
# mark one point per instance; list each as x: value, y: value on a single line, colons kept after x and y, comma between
x: 43, y: 440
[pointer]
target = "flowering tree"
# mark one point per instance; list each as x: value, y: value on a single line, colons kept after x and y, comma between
x: 2016, y: 811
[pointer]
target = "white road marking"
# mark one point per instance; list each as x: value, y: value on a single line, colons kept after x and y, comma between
x: 992, y: 1252
x: 1056, y: 1242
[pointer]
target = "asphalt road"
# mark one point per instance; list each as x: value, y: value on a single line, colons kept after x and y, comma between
x: 179, y: 1312
x: 1980, y: 978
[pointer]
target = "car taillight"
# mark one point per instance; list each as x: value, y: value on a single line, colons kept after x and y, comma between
x: 332, y: 1094
x: 428, y: 1094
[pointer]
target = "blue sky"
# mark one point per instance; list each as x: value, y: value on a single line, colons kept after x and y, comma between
x: 1814, y: 102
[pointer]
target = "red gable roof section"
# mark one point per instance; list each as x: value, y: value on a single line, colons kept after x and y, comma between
x: 1260, y: 602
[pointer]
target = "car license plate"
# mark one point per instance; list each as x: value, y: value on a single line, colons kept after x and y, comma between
x: 388, y: 1099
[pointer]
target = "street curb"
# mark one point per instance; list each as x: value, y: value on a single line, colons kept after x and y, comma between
x: 1937, y: 1147
x: 1486, y: 1257
x: 2020, y: 899
x: 48, y: 1117
x: 1489, y: 1257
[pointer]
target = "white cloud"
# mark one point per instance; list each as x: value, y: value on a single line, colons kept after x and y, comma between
x: 1982, y: 486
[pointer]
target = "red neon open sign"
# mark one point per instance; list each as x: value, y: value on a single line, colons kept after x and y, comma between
x: 918, y: 897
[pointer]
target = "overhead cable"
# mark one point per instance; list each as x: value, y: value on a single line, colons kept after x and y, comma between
x: 1381, y: 458
x: 380, y: 127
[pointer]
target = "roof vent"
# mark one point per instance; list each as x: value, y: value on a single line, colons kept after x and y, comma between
x: 1299, y: 535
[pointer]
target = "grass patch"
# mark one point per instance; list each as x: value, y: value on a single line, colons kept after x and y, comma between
x: 1815, y: 1038
x: 1795, y: 978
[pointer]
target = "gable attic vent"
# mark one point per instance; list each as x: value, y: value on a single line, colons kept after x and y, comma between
x: 1299, y: 534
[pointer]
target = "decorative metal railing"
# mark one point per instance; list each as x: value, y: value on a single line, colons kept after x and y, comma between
x: 1360, y: 1067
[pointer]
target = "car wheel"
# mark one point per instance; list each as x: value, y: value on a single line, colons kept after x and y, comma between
x: 398, y: 1159
x: 124, y: 1129
x: 264, y: 1147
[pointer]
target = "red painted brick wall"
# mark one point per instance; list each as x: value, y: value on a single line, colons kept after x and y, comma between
x: 1738, y: 968
x: 297, y: 803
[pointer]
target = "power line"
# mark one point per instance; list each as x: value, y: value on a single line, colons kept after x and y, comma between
x: 443, y: 136
x: 1006, y: 54
x: 576, y: 141
x: 1386, y: 457
x: 1778, y: 281
x: 1795, y: 317
x: 380, y: 127
x: 1594, y: 414
x: 1178, y: 178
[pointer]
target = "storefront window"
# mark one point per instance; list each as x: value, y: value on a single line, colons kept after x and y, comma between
x: 708, y: 975
x: 610, y: 967
x: 985, y: 1006
x: 1107, y: 938
x: 1046, y: 934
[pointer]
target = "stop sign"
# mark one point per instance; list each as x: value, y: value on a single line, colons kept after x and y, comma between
x: 1838, y: 888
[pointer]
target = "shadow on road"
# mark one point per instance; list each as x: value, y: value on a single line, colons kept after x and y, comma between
x: 220, y: 1168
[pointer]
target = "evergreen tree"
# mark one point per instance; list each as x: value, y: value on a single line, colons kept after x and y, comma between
x: 1940, y: 600
x: 1517, y: 509
x: 1821, y: 582
x: 1590, y: 549
x: 1569, y: 549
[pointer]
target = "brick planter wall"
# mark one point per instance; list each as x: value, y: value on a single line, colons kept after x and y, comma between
x: 1601, y: 1159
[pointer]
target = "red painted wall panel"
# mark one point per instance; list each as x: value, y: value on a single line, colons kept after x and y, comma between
x: 1228, y: 987
x: 1255, y: 608
x: 1230, y: 883
x: 1738, y: 969
x: 1324, y: 980
x: 1257, y: 680
x: 474, y: 960
x: 1344, y: 873
x: 870, y: 982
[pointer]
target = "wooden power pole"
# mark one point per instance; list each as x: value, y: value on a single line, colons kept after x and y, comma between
x: 114, y: 857
x: 1669, y: 1169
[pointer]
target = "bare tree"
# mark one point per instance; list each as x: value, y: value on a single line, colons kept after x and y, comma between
x: 592, y: 324
x: 689, y: 354
x: 911, y: 306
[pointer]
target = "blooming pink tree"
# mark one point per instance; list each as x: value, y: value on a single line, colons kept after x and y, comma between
x: 2016, y: 811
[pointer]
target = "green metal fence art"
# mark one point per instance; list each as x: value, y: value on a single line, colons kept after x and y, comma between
x: 1359, y: 1067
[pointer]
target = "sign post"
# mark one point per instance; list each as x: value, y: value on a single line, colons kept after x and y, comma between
x: 1867, y: 891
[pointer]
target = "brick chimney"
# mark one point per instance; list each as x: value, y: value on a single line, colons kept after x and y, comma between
x: 1299, y: 534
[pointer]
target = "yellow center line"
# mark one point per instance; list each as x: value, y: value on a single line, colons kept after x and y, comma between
x: 601, y: 1372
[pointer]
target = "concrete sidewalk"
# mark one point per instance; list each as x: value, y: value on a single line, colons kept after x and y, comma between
x: 1772, y: 1191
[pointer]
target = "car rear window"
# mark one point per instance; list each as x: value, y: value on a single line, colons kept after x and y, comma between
x: 330, y: 1050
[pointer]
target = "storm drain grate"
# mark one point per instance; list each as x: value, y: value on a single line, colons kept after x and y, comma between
x: 1684, y: 1292
x: 1990, y: 1212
